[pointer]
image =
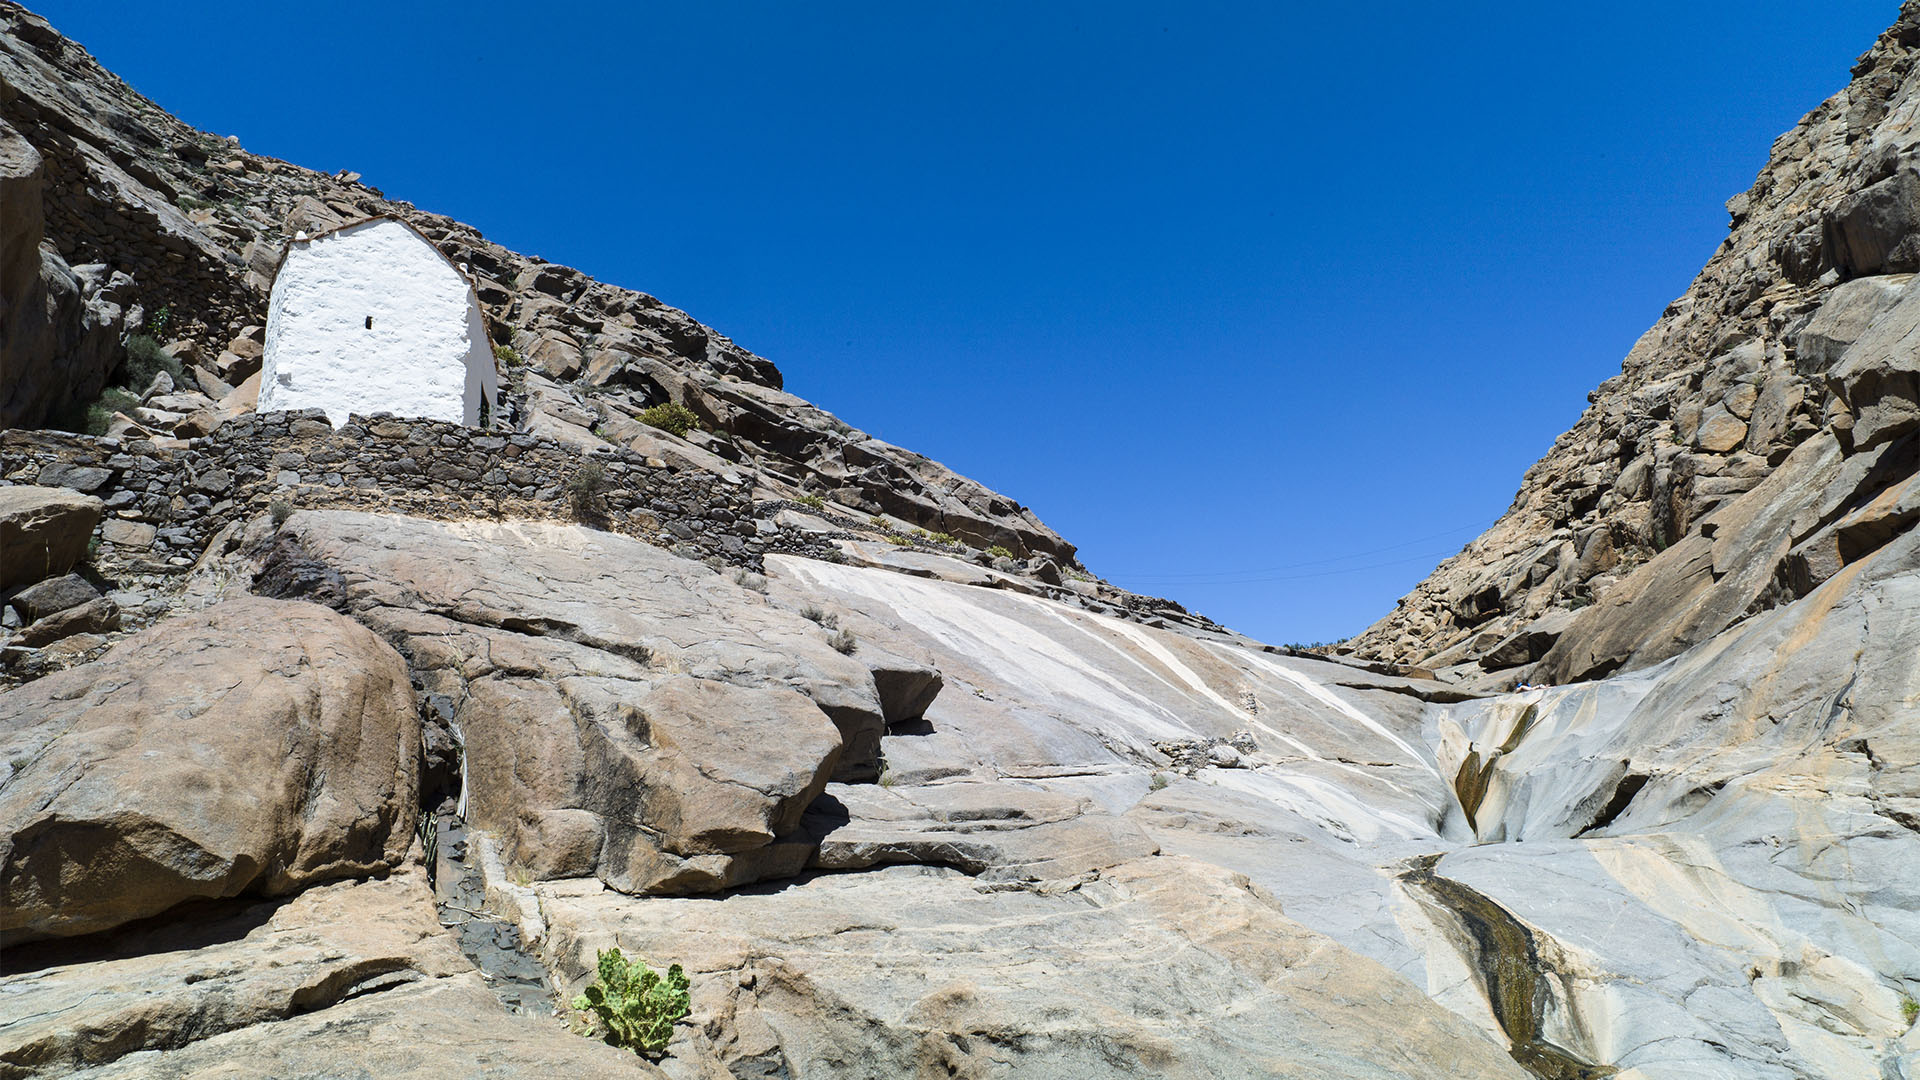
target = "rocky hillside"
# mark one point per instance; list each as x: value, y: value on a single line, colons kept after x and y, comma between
x: 142, y: 214
x: 1754, y: 443
x: 350, y: 752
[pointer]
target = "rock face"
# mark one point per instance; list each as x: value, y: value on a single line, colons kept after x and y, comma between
x: 59, y: 329
x: 1773, y: 398
x: 272, y: 746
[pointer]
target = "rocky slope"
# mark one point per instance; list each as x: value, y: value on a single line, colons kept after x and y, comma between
x: 339, y: 753
x: 149, y: 213
x: 1709, y: 480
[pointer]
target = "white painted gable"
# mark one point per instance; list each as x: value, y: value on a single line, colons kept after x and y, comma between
x: 372, y: 318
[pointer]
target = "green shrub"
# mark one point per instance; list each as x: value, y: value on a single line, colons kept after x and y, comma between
x: 100, y: 413
x: 747, y: 579
x: 1158, y: 782
x: 898, y: 541
x: 825, y: 618
x: 583, y: 489
x: 280, y: 510
x: 635, y: 1004
x: 947, y: 539
x: 145, y: 359
x: 506, y: 357
x: 671, y: 417
x: 879, y: 522
x: 160, y: 320
x: 811, y: 502
x: 1909, y: 1008
x: 999, y: 552
x: 843, y: 641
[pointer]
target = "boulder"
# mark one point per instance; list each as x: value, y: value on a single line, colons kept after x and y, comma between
x: 258, y: 747
x: 53, y: 594
x: 96, y: 616
x: 43, y: 532
x: 906, y: 687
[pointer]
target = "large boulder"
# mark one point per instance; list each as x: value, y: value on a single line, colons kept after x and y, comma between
x: 258, y: 747
x: 43, y: 532
x: 625, y: 712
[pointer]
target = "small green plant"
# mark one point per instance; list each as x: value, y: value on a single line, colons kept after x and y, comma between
x: 898, y: 541
x: 670, y: 417
x: 811, y: 502
x: 879, y: 522
x: 583, y: 490
x: 999, y: 552
x: 160, y: 320
x: 947, y: 539
x: 747, y: 579
x: 636, y: 1004
x: 145, y: 359
x: 1158, y: 782
x: 1909, y: 1008
x: 99, y: 414
x: 506, y: 356
x: 887, y: 779
x: 825, y: 618
x: 843, y: 641
x: 280, y: 510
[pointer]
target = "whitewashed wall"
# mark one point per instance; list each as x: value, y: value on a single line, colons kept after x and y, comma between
x: 426, y: 353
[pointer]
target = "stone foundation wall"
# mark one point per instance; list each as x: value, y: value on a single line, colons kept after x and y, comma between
x: 165, y: 502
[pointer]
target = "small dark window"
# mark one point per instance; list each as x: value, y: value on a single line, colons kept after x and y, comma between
x: 369, y: 322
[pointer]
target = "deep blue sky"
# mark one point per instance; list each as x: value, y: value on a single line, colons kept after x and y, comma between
x: 1267, y: 306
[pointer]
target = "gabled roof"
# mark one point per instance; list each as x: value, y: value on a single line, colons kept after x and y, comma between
x: 287, y: 248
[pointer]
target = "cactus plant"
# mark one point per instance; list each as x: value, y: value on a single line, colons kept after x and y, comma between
x: 635, y: 1004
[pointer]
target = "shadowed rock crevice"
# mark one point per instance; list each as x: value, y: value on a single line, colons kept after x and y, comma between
x: 1617, y: 803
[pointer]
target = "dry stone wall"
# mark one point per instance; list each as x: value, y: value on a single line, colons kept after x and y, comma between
x: 165, y: 503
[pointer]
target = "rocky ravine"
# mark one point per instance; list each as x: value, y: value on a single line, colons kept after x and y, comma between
x: 309, y: 790
x: 1709, y: 479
